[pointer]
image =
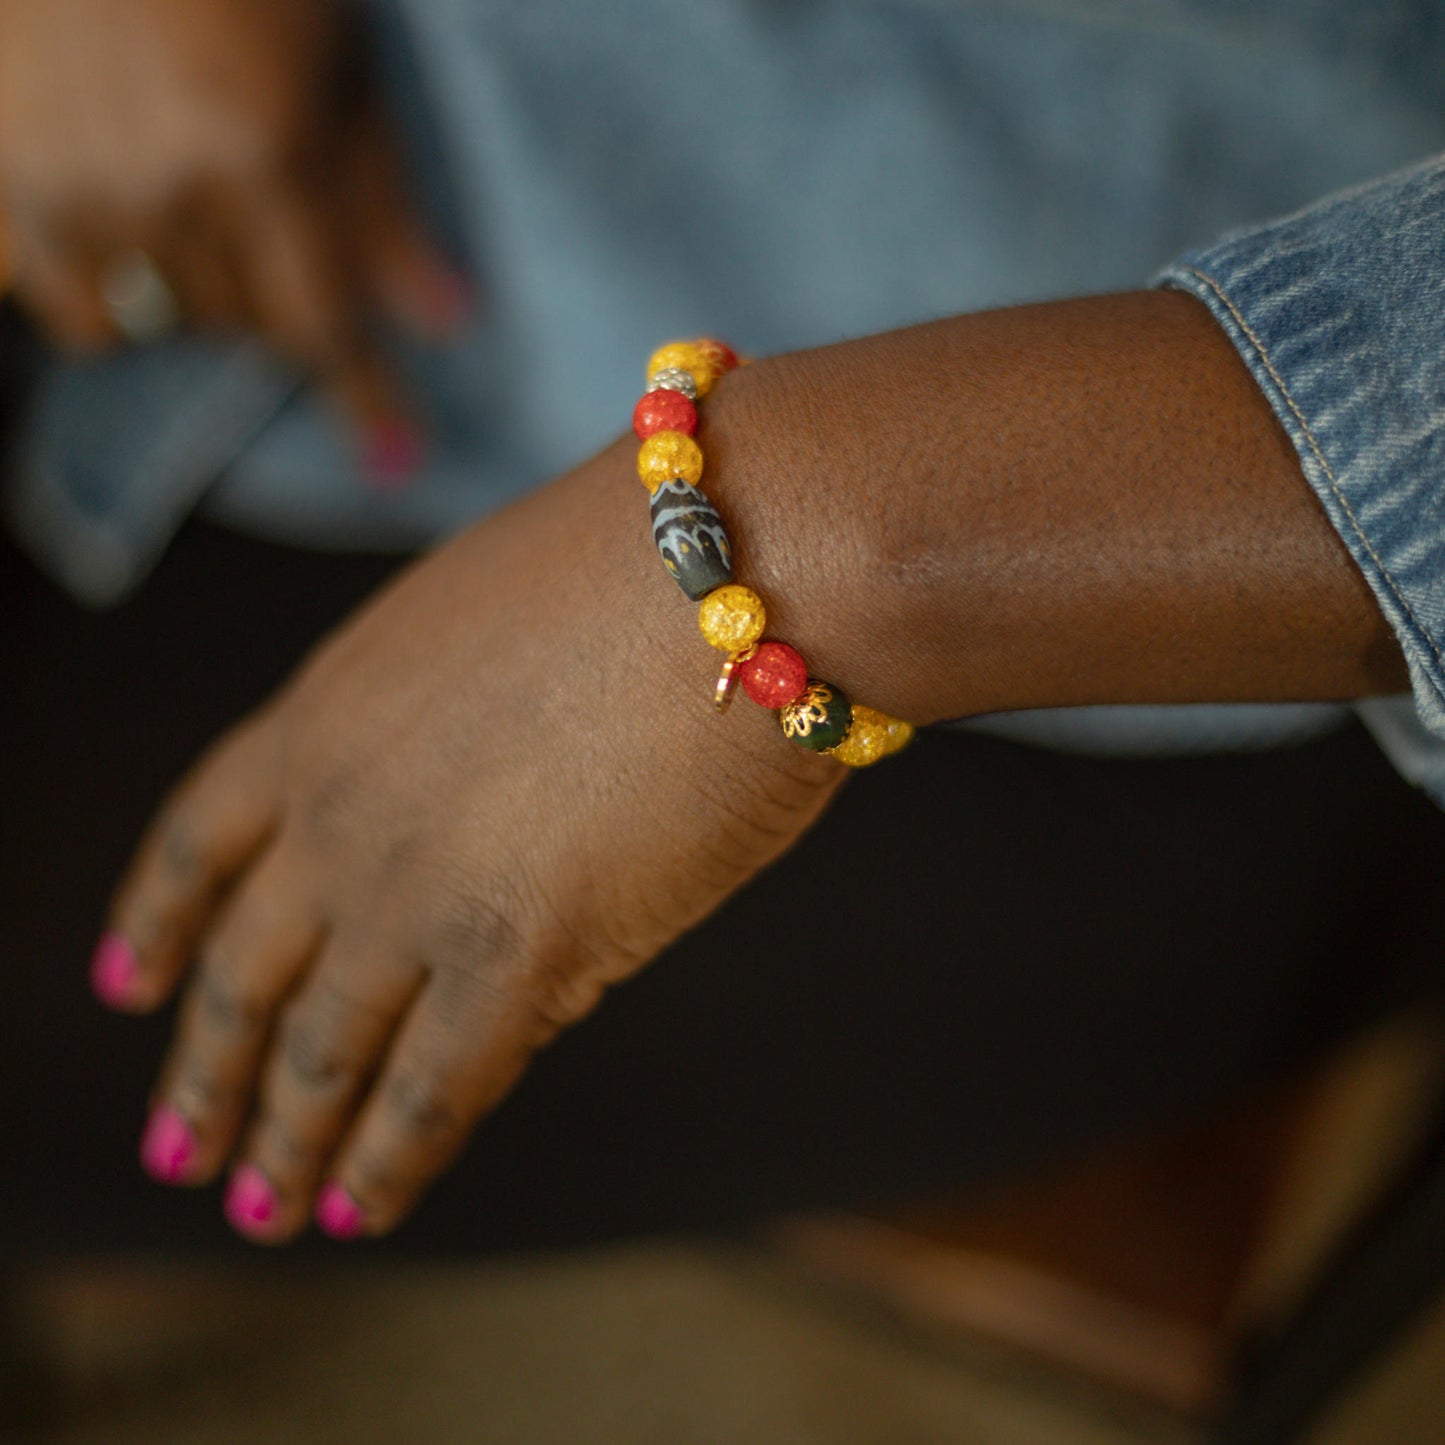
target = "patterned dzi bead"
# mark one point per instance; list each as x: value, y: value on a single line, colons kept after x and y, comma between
x: 690, y: 538
x: 819, y: 718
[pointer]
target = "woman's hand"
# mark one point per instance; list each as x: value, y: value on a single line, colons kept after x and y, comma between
x: 500, y: 789
x: 236, y: 144
x: 503, y: 787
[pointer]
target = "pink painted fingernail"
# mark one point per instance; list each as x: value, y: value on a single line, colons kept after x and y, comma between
x: 393, y: 451
x: 250, y: 1200
x: 338, y: 1214
x: 114, y: 971
x: 167, y: 1146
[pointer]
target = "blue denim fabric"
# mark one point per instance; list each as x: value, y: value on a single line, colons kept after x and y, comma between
x: 782, y: 173
x: 1339, y: 312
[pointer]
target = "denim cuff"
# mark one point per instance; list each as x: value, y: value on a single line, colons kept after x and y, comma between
x: 1339, y: 312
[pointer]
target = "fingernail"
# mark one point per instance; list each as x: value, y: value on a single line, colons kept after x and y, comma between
x: 167, y: 1146
x: 114, y: 971
x: 250, y: 1200
x: 338, y: 1214
x: 392, y: 454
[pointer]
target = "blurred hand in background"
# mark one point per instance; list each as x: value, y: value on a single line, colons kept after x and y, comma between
x: 221, y: 162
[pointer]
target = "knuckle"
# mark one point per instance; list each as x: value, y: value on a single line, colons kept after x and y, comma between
x: 423, y: 1107
x: 199, y: 1092
x: 150, y: 932
x: 285, y: 1152
x: 334, y: 807
x: 375, y: 1183
x: 228, y: 1003
x: 314, y: 1057
x: 182, y: 853
x: 404, y: 853
x: 473, y: 990
x: 478, y: 925
x: 562, y: 993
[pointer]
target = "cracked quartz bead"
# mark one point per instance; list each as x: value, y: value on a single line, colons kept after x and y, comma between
x: 732, y: 618
x: 668, y: 456
x: 684, y: 356
x: 721, y: 356
x: 673, y: 378
x: 818, y: 718
x: 774, y: 675
x: 900, y: 734
x: 664, y: 411
x: 869, y: 739
x: 691, y: 539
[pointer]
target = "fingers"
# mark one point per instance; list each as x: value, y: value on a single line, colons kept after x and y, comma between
x: 406, y: 272
x: 361, y: 1075
x: 247, y: 962
x: 201, y: 267
x: 304, y: 291
x: 214, y: 823
x: 423, y: 1056
x: 326, y: 1050
x: 455, y: 1058
x: 63, y: 295
x: 413, y: 281
x: 371, y: 1075
x: 301, y: 260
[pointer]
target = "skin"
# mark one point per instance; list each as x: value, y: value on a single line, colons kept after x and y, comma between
x: 237, y: 143
x: 385, y: 891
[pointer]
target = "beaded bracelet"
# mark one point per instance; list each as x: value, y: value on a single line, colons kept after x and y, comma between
x: 694, y: 547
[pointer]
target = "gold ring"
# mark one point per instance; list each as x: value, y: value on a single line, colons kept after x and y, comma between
x: 139, y: 298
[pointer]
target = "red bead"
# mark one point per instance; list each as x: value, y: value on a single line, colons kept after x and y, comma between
x: 719, y: 353
x: 664, y: 410
x: 774, y: 675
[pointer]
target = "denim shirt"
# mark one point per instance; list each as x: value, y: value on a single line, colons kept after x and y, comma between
x: 1339, y: 312
x: 787, y: 174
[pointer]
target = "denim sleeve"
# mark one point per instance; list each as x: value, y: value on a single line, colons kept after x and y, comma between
x: 1339, y: 312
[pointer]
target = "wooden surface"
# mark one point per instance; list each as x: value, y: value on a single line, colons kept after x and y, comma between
x: 1151, y: 1264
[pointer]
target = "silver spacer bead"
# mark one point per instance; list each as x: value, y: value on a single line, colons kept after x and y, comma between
x: 673, y: 378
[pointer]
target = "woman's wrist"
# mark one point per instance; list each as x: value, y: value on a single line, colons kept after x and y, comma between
x: 1080, y: 502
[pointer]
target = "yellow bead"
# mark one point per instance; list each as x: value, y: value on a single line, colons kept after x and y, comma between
x: 732, y: 618
x: 686, y: 357
x: 866, y: 742
x: 667, y: 455
x: 900, y: 734
x: 872, y: 736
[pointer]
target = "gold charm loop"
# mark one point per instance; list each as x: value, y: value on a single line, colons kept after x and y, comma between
x: 727, y: 682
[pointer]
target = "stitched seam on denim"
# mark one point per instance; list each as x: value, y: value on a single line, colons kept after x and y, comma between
x: 1339, y: 495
